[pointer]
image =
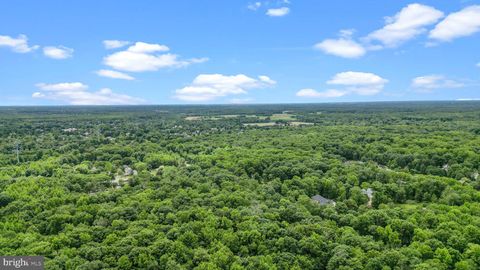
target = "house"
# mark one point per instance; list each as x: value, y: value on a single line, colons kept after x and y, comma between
x: 323, y: 201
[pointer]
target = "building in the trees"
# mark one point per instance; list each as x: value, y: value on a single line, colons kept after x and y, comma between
x: 323, y: 201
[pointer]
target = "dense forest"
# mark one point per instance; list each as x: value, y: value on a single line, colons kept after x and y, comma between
x: 328, y: 186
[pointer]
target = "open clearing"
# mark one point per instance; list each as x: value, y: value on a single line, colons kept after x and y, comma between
x: 282, y: 117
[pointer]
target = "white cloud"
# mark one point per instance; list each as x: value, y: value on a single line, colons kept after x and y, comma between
x: 254, y: 6
x: 278, y: 12
x: 331, y: 93
x: 140, y: 57
x: 272, y: 8
x: 77, y: 93
x: 207, y: 87
x: 114, y: 74
x: 405, y: 25
x: 19, y: 44
x: 351, y: 82
x: 139, y: 62
x: 60, y: 52
x: 267, y: 79
x: 459, y: 24
x: 357, y: 78
x: 142, y: 47
x: 429, y: 83
x: 361, y: 83
x: 71, y: 86
x: 342, y: 47
x: 114, y: 44
x: 38, y: 95
x: 408, y: 23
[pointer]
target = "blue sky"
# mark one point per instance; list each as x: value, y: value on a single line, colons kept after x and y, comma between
x: 183, y: 52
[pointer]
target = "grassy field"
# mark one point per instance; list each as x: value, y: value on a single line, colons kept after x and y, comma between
x: 282, y: 117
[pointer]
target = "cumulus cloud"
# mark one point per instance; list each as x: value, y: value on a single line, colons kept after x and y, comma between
x: 115, y: 44
x: 350, y: 82
x: 60, y: 52
x: 114, y: 74
x: 357, y: 78
x: 38, y: 95
x: 70, y: 86
x: 278, y: 12
x: 141, y: 57
x: 342, y: 47
x: 267, y: 80
x: 76, y: 93
x: 142, y: 47
x: 19, y: 44
x: 331, y: 93
x: 459, y: 24
x: 405, y: 25
x: 139, y: 62
x: 429, y: 83
x: 207, y: 87
x: 408, y: 23
x: 361, y: 83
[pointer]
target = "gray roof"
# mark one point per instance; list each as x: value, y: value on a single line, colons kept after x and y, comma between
x: 322, y: 200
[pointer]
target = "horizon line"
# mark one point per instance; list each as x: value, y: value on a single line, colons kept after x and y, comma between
x: 241, y: 104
